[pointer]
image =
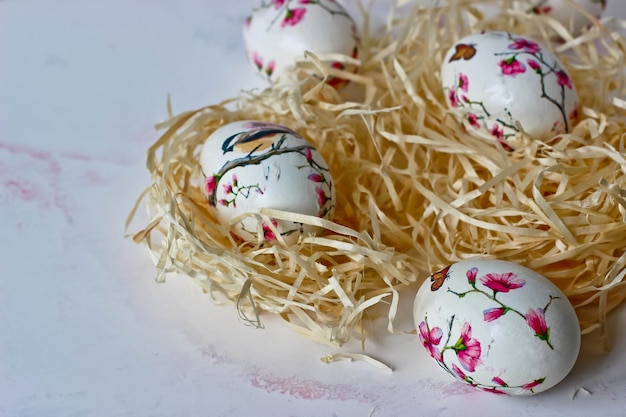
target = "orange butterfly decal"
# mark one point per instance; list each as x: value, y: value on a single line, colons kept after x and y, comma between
x: 437, y: 279
x: 463, y: 51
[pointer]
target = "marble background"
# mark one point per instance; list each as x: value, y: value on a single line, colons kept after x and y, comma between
x: 84, y: 329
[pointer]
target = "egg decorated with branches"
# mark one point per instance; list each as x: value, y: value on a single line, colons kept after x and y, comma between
x: 497, y: 326
x: 574, y: 15
x: 500, y: 84
x: 278, y: 33
x: 250, y: 165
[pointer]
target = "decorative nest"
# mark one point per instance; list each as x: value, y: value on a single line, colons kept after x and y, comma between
x: 415, y: 192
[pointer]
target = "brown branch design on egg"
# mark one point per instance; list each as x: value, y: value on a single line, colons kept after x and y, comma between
x: 252, y: 160
x: 291, y: 16
x: 234, y: 189
x: 504, y: 283
x: 468, y: 352
x: 316, y: 26
x: 512, y: 66
x: 459, y: 100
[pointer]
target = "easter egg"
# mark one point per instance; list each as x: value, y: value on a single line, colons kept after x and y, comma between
x: 499, y: 83
x: 279, y: 32
x: 574, y: 15
x: 497, y: 326
x: 250, y: 165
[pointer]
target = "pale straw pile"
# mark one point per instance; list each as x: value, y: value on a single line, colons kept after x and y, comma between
x: 415, y: 192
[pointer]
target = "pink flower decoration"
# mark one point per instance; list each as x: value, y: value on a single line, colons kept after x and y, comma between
x: 526, y: 45
x: 336, y: 82
x: 563, y: 80
x: 542, y: 9
x: 493, y: 313
x: 354, y: 31
x: 499, y: 381
x: 257, y: 60
x: 454, y: 101
x: 505, y: 145
x: 293, y: 16
x: 494, y: 391
x: 534, y: 65
x: 468, y: 350
x: 210, y: 184
x: 463, y: 82
x: 431, y: 338
x: 315, y: 177
x: 574, y: 113
x: 502, y: 282
x: 536, y: 319
x: 497, y: 131
x: 471, y: 275
x: 473, y: 120
x: 512, y: 67
x: 269, y: 69
x: 533, y: 384
x: 459, y: 372
x: 223, y: 202
x: 228, y: 188
x: 278, y: 3
x: 268, y: 233
x: 321, y: 196
x: 248, y: 21
x: 234, y: 180
x: 309, y: 155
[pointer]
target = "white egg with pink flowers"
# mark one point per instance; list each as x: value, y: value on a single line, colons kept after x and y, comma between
x: 497, y: 326
x: 278, y: 33
x: 500, y: 84
x: 251, y: 165
x: 574, y: 15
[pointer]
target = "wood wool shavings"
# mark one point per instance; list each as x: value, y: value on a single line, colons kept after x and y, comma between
x: 415, y: 192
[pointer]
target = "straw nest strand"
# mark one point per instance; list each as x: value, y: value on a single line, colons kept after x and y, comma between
x: 415, y: 192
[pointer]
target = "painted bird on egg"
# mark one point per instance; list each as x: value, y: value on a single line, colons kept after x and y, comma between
x: 257, y: 139
x: 498, y: 82
x: 249, y: 165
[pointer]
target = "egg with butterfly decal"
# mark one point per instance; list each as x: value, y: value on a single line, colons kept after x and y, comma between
x: 497, y: 326
x: 249, y: 165
x: 499, y: 85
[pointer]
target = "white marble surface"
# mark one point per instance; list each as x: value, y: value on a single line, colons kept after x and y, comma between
x: 84, y: 329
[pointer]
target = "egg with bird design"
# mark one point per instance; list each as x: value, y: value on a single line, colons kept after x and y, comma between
x: 254, y: 140
x: 250, y: 165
